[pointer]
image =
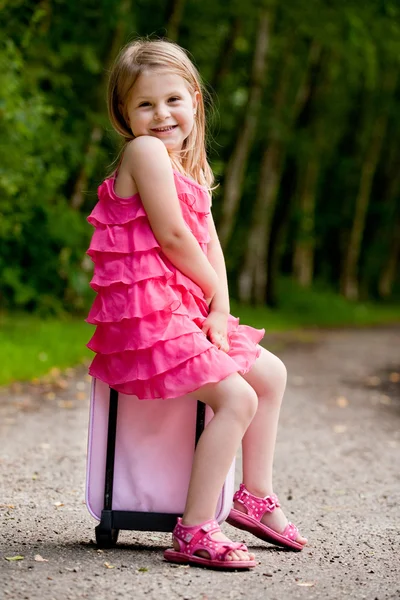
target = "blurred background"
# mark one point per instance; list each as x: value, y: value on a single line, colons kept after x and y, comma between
x: 304, y: 143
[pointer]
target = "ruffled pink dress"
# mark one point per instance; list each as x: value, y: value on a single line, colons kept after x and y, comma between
x: 148, y: 314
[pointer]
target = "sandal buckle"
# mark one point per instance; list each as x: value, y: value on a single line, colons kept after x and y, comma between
x: 271, y: 504
x: 241, y: 495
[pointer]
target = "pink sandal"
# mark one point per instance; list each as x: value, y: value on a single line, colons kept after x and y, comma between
x: 191, y: 539
x: 251, y: 520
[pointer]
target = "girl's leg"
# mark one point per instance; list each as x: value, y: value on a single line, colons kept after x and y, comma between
x: 234, y: 403
x: 268, y: 378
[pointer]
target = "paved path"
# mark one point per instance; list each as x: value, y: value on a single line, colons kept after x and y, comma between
x: 337, y: 474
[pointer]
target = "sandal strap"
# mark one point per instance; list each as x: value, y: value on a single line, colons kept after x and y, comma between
x: 256, y: 506
x: 291, y: 532
x: 192, y: 538
x: 189, y: 534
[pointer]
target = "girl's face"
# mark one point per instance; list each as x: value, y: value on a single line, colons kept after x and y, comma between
x: 161, y: 105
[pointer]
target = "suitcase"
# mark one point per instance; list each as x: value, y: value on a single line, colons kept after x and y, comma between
x: 139, y: 460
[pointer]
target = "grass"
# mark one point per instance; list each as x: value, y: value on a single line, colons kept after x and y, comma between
x: 31, y: 346
x: 317, y: 307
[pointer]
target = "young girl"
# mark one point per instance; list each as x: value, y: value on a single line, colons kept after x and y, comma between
x: 162, y: 307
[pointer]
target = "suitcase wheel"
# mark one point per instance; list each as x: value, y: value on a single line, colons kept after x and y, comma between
x: 106, y: 538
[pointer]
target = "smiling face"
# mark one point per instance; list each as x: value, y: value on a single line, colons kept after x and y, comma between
x: 161, y: 105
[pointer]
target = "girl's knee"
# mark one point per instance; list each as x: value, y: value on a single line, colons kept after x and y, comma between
x: 249, y: 403
x: 243, y: 402
x: 280, y: 370
x: 238, y: 398
x: 271, y: 377
x: 277, y: 381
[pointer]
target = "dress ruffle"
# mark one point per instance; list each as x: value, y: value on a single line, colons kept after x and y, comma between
x: 148, y: 340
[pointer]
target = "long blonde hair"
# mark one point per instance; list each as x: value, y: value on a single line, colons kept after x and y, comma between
x: 144, y: 54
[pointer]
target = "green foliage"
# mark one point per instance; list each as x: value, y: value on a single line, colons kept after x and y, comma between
x: 41, y: 237
x: 56, y: 143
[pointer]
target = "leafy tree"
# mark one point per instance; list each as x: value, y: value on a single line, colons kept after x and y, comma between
x: 304, y: 146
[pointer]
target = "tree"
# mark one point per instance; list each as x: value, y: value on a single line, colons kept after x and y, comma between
x: 235, y: 170
x: 349, y: 280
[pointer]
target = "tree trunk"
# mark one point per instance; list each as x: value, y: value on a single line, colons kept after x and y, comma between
x: 81, y: 183
x: 224, y: 60
x: 350, y: 269
x: 281, y: 217
x: 252, y: 282
x: 303, y: 260
x: 96, y: 135
x: 253, y: 279
x: 349, y: 283
x: 237, y: 164
x: 389, y: 272
x: 390, y: 266
x: 275, y: 248
x: 349, y: 279
x: 391, y: 225
x: 310, y: 165
x: 174, y: 19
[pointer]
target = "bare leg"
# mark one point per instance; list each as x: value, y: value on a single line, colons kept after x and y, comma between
x: 268, y: 379
x: 234, y: 403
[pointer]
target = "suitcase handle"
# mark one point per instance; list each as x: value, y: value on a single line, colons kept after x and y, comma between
x: 110, y: 456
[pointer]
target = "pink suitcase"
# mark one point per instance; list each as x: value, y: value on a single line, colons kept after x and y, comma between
x: 139, y: 459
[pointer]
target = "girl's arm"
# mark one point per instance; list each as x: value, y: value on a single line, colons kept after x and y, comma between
x: 149, y: 164
x: 215, y: 325
x: 220, y: 302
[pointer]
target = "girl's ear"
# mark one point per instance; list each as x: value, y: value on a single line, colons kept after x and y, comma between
x: 196, y: 97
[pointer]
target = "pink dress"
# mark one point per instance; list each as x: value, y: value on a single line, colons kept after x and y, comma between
x: 148, y: 314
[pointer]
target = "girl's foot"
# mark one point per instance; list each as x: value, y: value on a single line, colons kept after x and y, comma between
x: 218, y: 536
x: 262, y: 516
x: 205, y: 545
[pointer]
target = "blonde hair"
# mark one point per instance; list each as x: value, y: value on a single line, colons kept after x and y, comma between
x: 144, y: 54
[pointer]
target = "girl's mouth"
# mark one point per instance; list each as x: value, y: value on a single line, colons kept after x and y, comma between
x: 166, y: 129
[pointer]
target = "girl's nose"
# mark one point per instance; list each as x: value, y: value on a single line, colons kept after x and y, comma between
x: 161, y: 112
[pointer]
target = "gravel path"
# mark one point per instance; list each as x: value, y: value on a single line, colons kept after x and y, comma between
x: 337, y: 474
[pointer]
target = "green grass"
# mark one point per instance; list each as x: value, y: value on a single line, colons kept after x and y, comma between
x: 31, y: 346
x: 318, y: 307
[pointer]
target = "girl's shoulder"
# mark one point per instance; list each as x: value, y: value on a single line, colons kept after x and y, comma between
x: 121, y: 189
x: 145, y: 157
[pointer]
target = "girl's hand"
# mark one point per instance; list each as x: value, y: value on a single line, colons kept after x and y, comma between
x: 216, y: 329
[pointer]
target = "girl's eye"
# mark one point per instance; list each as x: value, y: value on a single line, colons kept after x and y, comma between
x: 173, y: 99
x: 144, y: 104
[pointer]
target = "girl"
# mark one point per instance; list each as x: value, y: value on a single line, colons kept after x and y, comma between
x: 162, y: 308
